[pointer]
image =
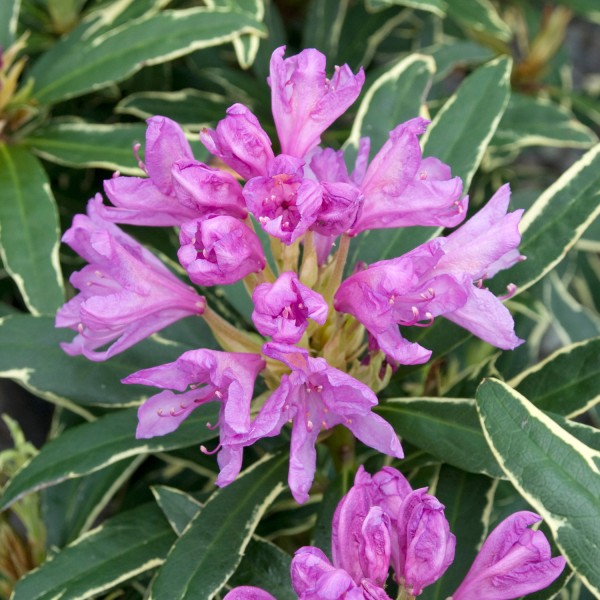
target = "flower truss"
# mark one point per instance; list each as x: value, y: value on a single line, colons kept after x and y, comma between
x: 328, y: 344
x: 383, y: 522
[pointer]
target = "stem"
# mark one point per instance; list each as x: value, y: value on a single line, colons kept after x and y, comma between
x: 229, y: 337
x: 339, y: 262
x: 309, y: 269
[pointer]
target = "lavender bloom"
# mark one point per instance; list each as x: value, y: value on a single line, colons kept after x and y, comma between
x: 285, y: 203
x: 152, y: 201
x: 402, y: 189
x: 247, y: 592
x: 304, y: 101
x: 339, y: 210
x: 315, y: 396
x: 282, y: 308
x: 200, y: 376
x: 240, y: 142
x: 425, y: 544
x: 513, y: 561
x: 207, y: 191
x: 219, y: 251
x: 315, y: 578
x: 437, y: 278
x: 126, y: 293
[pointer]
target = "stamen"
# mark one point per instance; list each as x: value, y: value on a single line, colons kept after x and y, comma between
x: 309, y: 425
x: 429, y: 316
x: 219, y: 394
x: 136, y: 152
x: 80, y: 327
x: 210, y: 452
x: 212, y: 427
x: 175, y: 413
x: 116, y: 174
x: 511, y: 288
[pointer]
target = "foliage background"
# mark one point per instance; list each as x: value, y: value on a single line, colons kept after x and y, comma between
x: 514, y: 91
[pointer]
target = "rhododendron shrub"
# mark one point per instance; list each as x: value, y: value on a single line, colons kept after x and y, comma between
x: 306, y: 358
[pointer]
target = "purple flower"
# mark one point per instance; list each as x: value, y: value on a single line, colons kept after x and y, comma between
x: 285, y: 203
x: 316, y: 396
x: 247, y: 592
x: 219, y: 251
x: 304, y: 101
x: 440, y: 277
x: 315, y: 578
x: 126, y: 293
x: 282, y: 308
x: 197, y: 377
x: 207, y: 191
x: 401, y: 189
x: 513, y: 561
x: 425, y: 545
x: 240, y: 142
x: 339, y: 210
x: 152, y: 201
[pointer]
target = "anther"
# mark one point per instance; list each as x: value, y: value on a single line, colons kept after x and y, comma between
x: 210, y: 452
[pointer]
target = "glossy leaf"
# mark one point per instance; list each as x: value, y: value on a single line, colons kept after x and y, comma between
x: 555, y: 222
x: 29, y: 230
x: 9, y: 16
x: 127, y: 545
x: 92, y: 446
x: 448, y: 428
x: 323, y: 26
x: 555, y: 472
x: 459, y: 53
x: 218, y: 536
x: 567, y: 382
x: 480, y: 16
x: 437, y: 7
x: 118, y: 53
x: 179, y: 508
x: 462, y: 129
x: 530, y: 121
x: 80, y: 144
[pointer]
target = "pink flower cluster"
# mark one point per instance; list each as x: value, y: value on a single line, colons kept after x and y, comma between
x: 383, y: 522
x: 305, y: 199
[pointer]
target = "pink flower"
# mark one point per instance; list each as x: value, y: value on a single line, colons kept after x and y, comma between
x: 304, y: 101
x: 126, y: 293
x: 207, y: 191
x: 219, y: 250
x: 197, y: 377
x: 285, y: 203
x: 240, y: 142
x: 282, y: 308
x: 513, y: 561
x: 247, y: 592
x: 152, y: 200
x: 316, y: 396
x: 402, y: 189
x: 440, y: 277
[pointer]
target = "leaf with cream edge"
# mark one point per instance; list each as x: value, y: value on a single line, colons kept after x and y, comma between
x: 121, y: 52
x: 217, y: 537
x: 480, y: 16
x: 178, y: 507
x: 567, y: 382
x: 124, y: 546
x: 91, y: 446
x: 557, y: 219
x: 437, y: 7
x: 555, y: 472
x: 9, y: 17
x: 29, y: 230
x: 461, y: 131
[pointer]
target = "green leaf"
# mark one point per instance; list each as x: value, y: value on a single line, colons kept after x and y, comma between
x: 392, y: 99
x: 92, y: 446
x: 448, y: 428
x: 29, y: 230
x: 323, y: 26
x: 437, y: 7
x: 566, y: 382
x: 480, y: 16
x: 218, y: 536
x: 190, y: 108
x: 127, y: 545
x: 468, y: 499
x: 556, y: 473
x: 30, y: 354
x: 83, y: 144
x: 462, y: 129
x: 117, y: 54
x: 9, y: 18
x: 555, y: 222
x: 179, y: 508
x: 462, y: 53
x: 530, y: 121
x: 586, y: 8
x: 266, y: 566
x: 71, y: 507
